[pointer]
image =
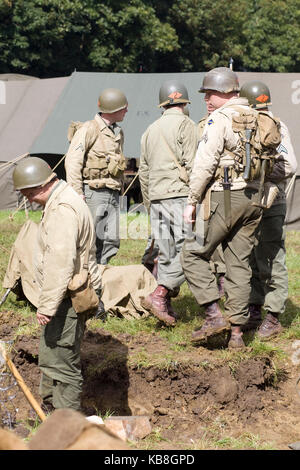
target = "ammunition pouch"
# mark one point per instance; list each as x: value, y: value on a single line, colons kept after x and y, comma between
x: 104, y: 167
x: 116, y: 166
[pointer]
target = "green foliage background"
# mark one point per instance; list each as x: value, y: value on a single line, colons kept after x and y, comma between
x: 48, y: 38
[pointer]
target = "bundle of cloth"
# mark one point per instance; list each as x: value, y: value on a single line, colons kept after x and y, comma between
x: 122, y: 286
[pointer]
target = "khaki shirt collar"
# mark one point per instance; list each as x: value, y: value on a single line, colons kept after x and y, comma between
x: 109, y: 130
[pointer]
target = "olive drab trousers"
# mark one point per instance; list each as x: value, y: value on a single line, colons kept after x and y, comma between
x: 104, y: 206
x: 59, y: 358
x: 168, y: 231
x: 237, y: 240
x: 269, y: 282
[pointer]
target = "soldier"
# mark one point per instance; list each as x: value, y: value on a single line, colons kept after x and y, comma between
x: 168, y: 148
x: 233, y: 210
x: 269, y: 282
x: 95, y: 167
x: 217, y: 262
x: 64, y: 234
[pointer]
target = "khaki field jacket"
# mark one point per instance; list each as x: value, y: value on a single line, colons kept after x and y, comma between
x: 94, y: 148
x: 63, y: 234
x: 173, y: 135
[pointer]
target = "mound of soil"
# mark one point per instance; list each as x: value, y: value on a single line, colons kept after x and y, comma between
x: 193, y: 398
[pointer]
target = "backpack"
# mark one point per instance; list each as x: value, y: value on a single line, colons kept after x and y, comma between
x: 260, y: 136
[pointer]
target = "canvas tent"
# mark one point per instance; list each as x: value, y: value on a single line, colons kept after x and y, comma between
x: 25, y: 105
x: 37, y: 114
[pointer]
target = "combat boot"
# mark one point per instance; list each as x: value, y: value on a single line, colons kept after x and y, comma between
x: 171, y: 294
x: 157, y: 304
x: 270, y: 326
x: 236, y: 340
x: 214, y: 323
x: 255, y: 318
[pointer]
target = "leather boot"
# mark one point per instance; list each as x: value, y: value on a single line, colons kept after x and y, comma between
x: 236, y: 339
x: 255, y: 318
x: 214, y: 323
x: 171, y: 294
x: 157, y: 304
x: 270, y: 326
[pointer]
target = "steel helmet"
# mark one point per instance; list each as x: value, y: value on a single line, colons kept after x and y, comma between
x: 31, y: 172
x: 172, y: 92
x: 257, y: 93
x: 220, y: 79
x: 112, y: 100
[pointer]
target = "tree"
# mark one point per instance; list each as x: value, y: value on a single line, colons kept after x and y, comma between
x: 54, y: 37
x: 271, y: 36
x: 261, y: 35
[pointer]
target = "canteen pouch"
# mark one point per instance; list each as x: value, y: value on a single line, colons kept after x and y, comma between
x: 82, y: 293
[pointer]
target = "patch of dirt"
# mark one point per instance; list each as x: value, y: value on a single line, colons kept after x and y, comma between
x: 193, y: 398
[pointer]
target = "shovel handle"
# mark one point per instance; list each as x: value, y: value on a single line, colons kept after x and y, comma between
x: 22, y: 385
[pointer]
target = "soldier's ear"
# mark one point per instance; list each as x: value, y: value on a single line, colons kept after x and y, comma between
x: 98, y: 103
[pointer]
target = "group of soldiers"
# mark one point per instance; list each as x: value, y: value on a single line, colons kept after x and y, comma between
x: 239, y: 248
x: 207, y: 188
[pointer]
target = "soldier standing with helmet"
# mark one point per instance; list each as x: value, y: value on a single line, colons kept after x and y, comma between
x: 232, y: 217
x: 269, y: 282
x: 65, y: 233
x: 95, y: 167
x: 168, y: 148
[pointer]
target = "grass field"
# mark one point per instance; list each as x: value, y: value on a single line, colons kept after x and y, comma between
x: 131, y: 252
x: 178, y: 338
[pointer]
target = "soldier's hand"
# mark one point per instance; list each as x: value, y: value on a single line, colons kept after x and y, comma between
x: 42, y: 319
x: 189, y: 214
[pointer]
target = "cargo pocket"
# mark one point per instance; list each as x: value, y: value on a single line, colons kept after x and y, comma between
x: 207, y: 223
x: 62, y: 329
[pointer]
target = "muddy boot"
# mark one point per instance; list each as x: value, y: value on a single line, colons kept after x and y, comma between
x: 157, y: 304
x: 255, y: 318
x: 171, y: 294
x: 236, y: 339
x: 214, y: 324
x: 270, y: 327
x: 221, y: 280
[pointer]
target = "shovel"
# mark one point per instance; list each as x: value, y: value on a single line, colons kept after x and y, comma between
x: 5, y: 296
x: 21, y: 383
